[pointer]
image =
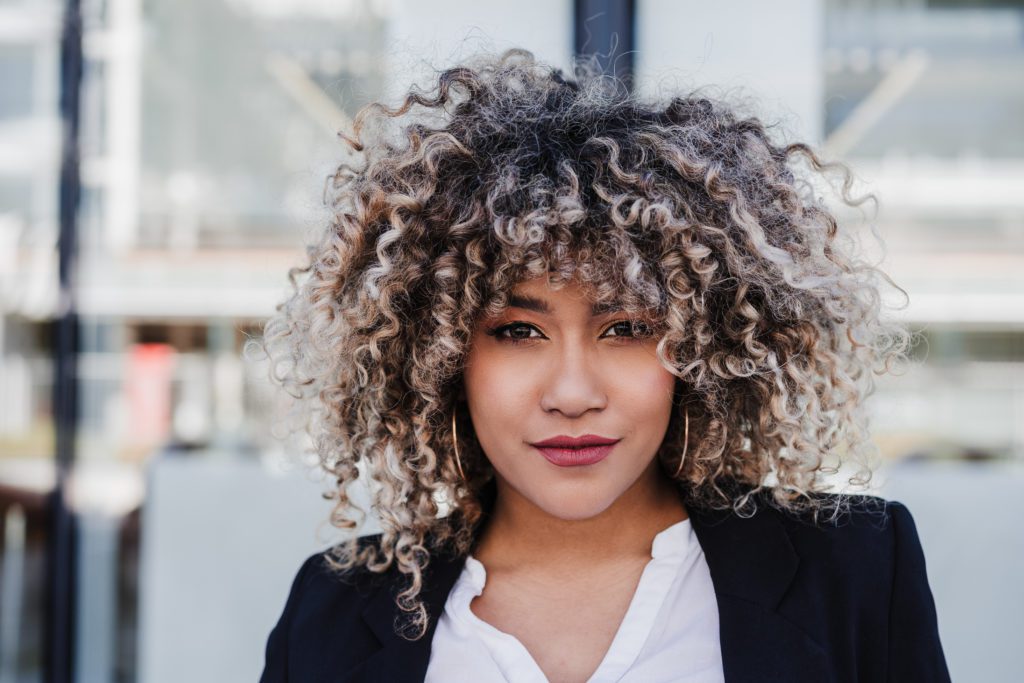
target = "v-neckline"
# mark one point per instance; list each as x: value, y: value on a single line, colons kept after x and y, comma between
x: 669, y: 550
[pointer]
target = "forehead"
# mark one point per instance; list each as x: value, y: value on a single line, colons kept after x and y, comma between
x: 541, y: 296
x: 551, y: 288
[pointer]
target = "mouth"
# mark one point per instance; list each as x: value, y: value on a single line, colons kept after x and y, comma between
x: 566, y: 451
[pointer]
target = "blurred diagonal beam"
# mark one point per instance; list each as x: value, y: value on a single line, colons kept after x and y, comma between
x: 606, y: 29
x: 60, y: 566
x: 890, y: 90
x: 295, y: 81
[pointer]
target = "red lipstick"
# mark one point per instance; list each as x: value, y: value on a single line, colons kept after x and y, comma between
x: 573, y: 451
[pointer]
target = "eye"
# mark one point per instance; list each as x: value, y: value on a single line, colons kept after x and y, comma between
x: 636, y: 329
x: 499, y: 333
x: 519, y: 332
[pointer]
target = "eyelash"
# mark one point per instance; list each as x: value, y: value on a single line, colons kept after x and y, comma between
x: 497, y: 331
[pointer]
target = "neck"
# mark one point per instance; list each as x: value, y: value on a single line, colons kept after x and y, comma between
x: 520, y: 534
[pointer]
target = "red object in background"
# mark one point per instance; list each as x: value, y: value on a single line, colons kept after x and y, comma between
x: 148, y: 392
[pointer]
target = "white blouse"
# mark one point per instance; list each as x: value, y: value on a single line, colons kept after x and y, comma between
x: 669, y: 632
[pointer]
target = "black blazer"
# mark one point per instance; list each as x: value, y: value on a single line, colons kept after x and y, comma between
x: 848, y: 601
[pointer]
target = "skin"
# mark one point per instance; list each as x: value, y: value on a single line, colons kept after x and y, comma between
x: 562, y: 536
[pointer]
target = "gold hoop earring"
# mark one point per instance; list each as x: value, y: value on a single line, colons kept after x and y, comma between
x: 686, y: 442
x: 455, y: 446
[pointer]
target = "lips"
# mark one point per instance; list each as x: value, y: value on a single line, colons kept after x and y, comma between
x: 567, y: 451
x: 562, y: 441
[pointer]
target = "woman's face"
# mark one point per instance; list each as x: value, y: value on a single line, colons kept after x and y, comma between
x: 549, y: 367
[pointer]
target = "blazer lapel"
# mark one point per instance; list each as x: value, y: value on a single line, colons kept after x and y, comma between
x: 400, y: 660
x: 752, y: 564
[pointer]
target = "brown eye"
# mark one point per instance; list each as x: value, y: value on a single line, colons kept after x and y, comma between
x: 631, y: 329
x: 516, y: 333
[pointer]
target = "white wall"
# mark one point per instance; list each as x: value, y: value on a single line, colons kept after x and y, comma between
x: 967, y: 518
x: 428, y: 36
x: 222, y: 538
x: 767, y: 50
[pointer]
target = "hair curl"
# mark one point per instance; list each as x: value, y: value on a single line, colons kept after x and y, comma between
x: 507, y: 170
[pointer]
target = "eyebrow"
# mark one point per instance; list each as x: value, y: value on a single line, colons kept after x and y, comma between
x: 536, y: 305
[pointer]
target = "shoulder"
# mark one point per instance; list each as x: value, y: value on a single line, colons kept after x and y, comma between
x: 865, y: 559
x: 850, y: 520
x: 322, y: 591
x: 843, y: 522
x: 324, y: 606
x: 869, y: 564
x: 851, y: 535
x: 843, y: 544
x: 844, y: 548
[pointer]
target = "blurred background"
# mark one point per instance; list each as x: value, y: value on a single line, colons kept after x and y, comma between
x: 152, y: 515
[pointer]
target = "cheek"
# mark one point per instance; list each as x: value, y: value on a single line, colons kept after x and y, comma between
x: 491, y: 377
x: 499, y: 392
x: 646, y: 392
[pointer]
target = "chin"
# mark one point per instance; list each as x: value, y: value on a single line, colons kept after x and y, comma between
x: 570, y: 496
x: 574, y: 508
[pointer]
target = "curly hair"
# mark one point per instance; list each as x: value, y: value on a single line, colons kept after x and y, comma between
x: 505, y: 170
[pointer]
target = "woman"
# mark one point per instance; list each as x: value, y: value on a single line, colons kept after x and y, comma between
x: 595, y: 357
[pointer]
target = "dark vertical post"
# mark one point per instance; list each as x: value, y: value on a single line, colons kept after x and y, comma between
x: 606, y: 29
x: 60, y: 566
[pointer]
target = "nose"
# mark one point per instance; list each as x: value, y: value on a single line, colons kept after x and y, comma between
x: 575, y: 382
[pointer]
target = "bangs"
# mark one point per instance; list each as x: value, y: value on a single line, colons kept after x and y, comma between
x: 605, y: 263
